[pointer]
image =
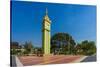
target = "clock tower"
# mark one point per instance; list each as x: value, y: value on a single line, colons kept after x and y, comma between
x: 46, y: 34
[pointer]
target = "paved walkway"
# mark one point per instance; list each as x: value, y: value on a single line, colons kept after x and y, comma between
x: 57, y: 59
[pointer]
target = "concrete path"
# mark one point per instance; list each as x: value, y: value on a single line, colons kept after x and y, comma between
x: 15, y: 62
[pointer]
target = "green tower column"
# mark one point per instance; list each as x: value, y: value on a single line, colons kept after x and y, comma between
x: 46, y: 34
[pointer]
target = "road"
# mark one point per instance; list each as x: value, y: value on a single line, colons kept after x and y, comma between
x: 90, y: 59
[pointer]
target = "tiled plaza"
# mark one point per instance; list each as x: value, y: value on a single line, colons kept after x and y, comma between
x: 56, y: 59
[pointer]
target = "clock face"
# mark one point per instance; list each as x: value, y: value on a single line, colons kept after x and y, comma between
x: 47, y: 26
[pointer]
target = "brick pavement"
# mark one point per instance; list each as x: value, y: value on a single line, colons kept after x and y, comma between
x: 56, y: 59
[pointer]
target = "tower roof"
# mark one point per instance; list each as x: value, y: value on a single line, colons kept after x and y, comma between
x: 46, y: 16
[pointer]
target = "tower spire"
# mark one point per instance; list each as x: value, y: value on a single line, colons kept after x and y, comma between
x: 46, y: 11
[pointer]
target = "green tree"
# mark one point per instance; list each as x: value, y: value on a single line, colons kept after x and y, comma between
x: 62, y: 43
x: 28, y: 47
x: 86, y: 48
x: 15, y: 48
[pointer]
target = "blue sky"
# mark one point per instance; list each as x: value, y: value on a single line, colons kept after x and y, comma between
x: 77, y: 20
